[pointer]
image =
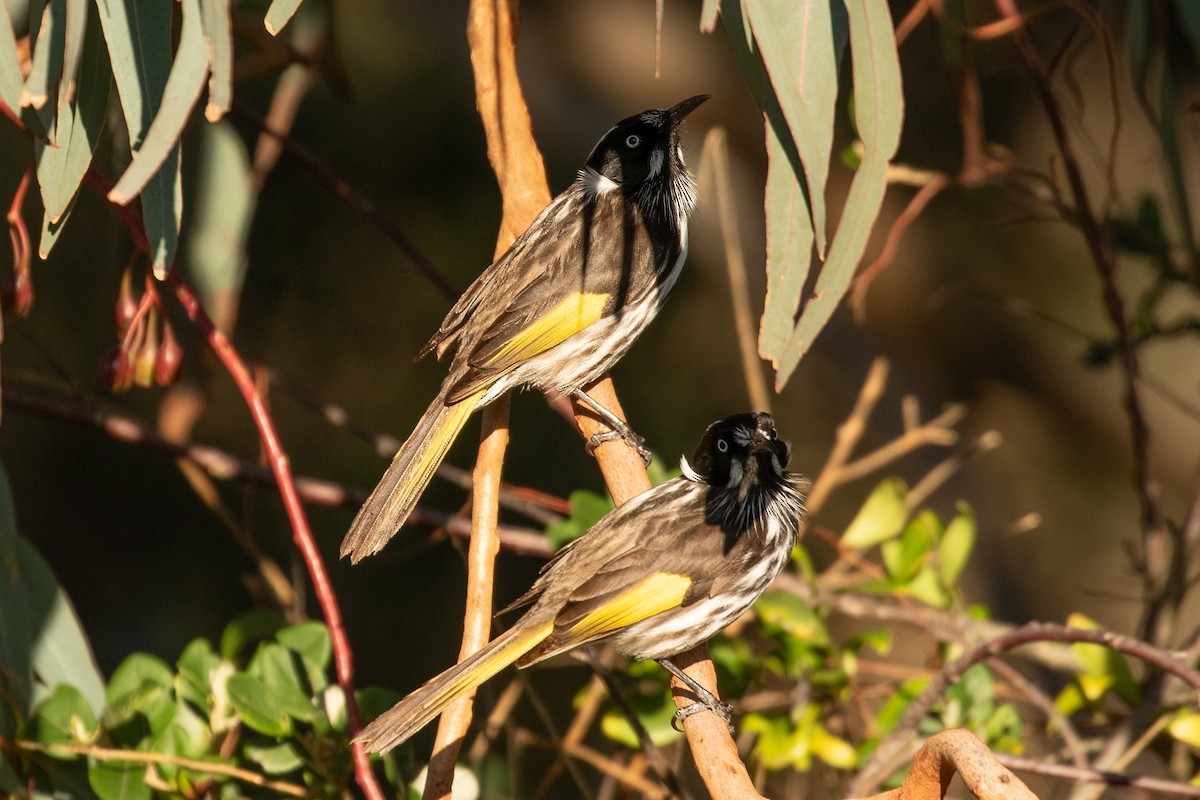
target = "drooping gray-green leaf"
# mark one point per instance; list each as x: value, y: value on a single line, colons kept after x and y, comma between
x: 42, y: 644
x: 708, y: 15
x: 219, y: 37
x: 223, y: 209
x: 182, y: 89
x: 279, y: 13
x: 76, y: 20
x: 789, y: 234
x: 800, y: 51
x: 48, y: 48
x: 10, y: 66
x: 879, y: 113
x: 139, y: 45
x: 61, y: 167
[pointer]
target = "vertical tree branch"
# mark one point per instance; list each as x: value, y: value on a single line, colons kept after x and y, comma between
x: 491, y: 33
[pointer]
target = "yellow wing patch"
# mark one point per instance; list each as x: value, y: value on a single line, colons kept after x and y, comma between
x: 659, y: 592
x: 568, y: 318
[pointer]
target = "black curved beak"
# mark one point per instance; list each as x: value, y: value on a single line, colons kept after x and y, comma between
x: 681, y: 109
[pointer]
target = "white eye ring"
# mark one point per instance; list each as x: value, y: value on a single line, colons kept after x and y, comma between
x: 633, y: 140
x: 722, y: 445
x: 773, y: 435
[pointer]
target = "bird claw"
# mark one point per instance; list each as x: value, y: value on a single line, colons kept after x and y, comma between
x: 722, y: 710
x: 632, y: 439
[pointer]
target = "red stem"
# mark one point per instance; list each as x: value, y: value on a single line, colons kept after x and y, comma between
x: 301, y: 532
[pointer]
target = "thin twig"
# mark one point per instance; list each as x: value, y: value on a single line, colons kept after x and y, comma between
x: 141, y: 757
x: 220, y: 465
x: 1153, y: 787
x: 1154, y: 532
x: 906, y: 728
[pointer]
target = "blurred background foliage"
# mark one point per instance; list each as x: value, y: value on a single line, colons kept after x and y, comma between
x: 992, y: 301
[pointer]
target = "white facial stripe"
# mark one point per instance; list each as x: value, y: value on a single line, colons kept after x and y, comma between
x: 735, y: 474
x: 656, y: 162
x: 742, y: 436
x: 593, y: 183
x: 688, y: 471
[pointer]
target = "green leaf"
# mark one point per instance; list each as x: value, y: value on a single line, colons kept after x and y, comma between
x: 46, y: 69
x: 833, y: 750
x: 784, y: 611
x: 800, y: 52
x: 879, y: 105
x: 278, y: 15
x: 63, y: 717
x: 1098, y: 661
x: 61, y: 167
x: 1186, y: 728
x: 136, y: 672
x: 895, y: 706
x: 75, y: 23
x: 273, y: 665
x: 218, y: 36
x: 708, y: 15
x: 279, y: 759
x: 258, y: 706
x: 42, y: 643
x: 789, y: 233
x: 10, y: 68
x: 195, y: 672
x: 112, y: 780
x: 954, y: 550
x: 310, y: 640
x: 926, y: 587
x: 247, y: 630
x: 881, y: 517
x: 905, y: 556
x: 222, y: 212
x: 655, y: 713
x: 158, y: 154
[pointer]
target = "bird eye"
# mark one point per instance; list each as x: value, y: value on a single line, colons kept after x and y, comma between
x: 722, y: 445
x: 632, y: 140
x: 773, y: 435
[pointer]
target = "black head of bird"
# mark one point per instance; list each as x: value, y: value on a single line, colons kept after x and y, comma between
x: 744, y: 462
x: 641, y: 154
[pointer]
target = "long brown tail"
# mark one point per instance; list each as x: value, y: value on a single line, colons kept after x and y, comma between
x: 414, y: 712
x: 406, y: 478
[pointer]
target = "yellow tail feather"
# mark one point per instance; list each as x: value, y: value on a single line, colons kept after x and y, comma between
x: 406, y: 478
x: 414, y: 712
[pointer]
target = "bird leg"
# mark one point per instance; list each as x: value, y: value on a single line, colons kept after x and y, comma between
x: 706, y: 700
x: 619, y: 428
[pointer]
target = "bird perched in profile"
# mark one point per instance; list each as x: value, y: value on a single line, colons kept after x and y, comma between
x: 656, y: 576
x: 559, y: 308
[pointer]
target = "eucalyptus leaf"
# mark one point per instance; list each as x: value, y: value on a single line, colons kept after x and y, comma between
x: 219, y: 37
x: 800, y: 53
x: 278, y: 15
x: 789, y: 233
x: 61, y: 166
x: 879, y: 114
x: 222, y: 212
x: 46, y: 67
x: 10, y: 68
x: 74, y: 23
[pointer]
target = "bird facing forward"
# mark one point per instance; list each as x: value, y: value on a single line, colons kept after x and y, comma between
x: 656, y: 576
x: 559, y: 308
